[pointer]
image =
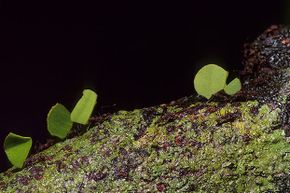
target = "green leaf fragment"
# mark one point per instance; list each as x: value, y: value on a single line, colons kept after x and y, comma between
x: 58, y: 121
x: 17, y: 148
x: 209, y: 80
x: 84, y: 107
x: 233, y: 87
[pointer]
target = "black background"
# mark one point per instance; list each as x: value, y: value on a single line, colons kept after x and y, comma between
x: 133, y: 54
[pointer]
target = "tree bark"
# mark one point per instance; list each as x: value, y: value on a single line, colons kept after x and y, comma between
x: 227, y: 144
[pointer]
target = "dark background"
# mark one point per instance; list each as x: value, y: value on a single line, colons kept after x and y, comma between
x: 132, y: 54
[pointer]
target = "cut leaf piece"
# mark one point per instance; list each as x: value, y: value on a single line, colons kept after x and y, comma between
x: 84, y: 107
x: 58, y: 121
x: 209, y: 80
x: 233, y: 87
x: 17, y: 148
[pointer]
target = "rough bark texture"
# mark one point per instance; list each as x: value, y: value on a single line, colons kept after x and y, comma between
x: 228, y: 144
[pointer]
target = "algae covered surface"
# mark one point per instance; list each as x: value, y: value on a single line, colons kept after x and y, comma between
x: 238, y: 144
x: 202, y: 148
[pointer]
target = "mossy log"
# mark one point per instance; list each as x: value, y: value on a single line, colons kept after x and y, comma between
x: 227, y: 144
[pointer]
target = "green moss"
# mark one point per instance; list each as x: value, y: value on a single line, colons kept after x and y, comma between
x: 181, y: 150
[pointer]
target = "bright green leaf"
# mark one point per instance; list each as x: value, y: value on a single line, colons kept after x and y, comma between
x: 84, y: 107
x: 58, y: 121
x: 233, y: 87
x: 209, y: 80
x: 17, y: 148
